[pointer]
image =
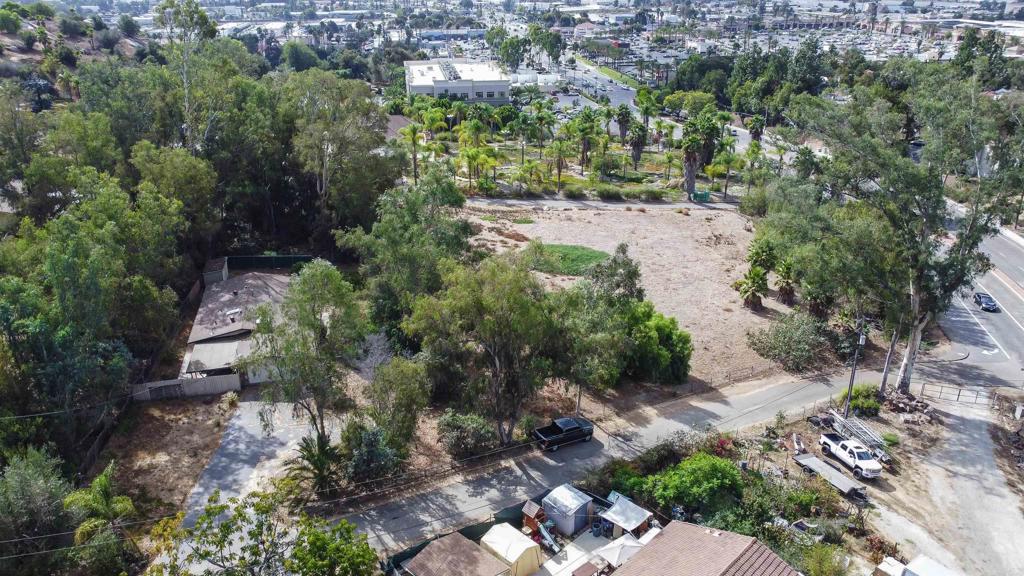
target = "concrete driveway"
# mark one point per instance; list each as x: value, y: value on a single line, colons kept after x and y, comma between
x: 246, y: 455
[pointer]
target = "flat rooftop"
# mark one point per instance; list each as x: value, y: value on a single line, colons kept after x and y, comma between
x: 430, y: 72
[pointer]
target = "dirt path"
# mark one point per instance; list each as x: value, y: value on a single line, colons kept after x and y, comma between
x: 963, y: 513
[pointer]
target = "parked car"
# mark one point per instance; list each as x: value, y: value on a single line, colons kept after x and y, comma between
x: 986, y: 302
x: 851, y: 453
x: 563, y: 431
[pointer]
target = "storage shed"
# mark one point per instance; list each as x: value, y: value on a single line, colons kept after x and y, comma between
x: 569, y: 508
x: 519, y: 552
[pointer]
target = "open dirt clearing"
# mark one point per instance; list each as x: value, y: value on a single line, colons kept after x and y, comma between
x: 689, y: 261
x: 160, y: 449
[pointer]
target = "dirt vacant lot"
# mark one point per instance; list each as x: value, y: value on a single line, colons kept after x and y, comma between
x: 161, y: 447
x: 689, y: 260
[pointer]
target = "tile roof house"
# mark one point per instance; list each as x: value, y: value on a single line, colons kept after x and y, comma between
x: 455, y: 555
x: 683, y: 549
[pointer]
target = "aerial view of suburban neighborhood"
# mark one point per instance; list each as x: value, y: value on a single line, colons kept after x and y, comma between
x: 512, y: 288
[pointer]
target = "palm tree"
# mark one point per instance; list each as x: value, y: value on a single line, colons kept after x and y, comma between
x: 318, y: 465
x: 692, y: 146
x: 729, y: 161
x: 607, y: 115
x: 411, y: 138
x: 471, y: 132
x: 670, y: 160
x: 624, y: 117
x: 637, y: 140
x: 648, y: 107
x: 528, y: 173
x: 470, y: 158
x: 786, y: 284
x: 723, y: 118
x: 104, y: 511
x: 659, y: 131
x: 433, y: 121
x: 459, y: 110
x: 544, y: 121
x: 558, y: 151
x: 584, y: 126
x: 753, y: 286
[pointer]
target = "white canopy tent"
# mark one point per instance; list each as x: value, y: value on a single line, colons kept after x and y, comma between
x: 625, y: 516
x: 515, y: 548
x: 619, y: 550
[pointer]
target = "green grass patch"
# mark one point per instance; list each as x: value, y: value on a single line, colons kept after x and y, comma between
x: 568, y: 259
x: 522, y: 221
x: 489, y: 218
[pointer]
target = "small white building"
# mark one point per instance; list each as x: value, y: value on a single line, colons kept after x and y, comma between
x: 458, y: 78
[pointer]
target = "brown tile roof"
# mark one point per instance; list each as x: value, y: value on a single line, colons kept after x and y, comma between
x: 684, y: 549
x: 455, y: 555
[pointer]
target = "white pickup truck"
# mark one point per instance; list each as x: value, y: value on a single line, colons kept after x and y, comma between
x: 851, y: 453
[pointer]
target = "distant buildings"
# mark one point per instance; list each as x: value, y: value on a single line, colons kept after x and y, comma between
x: 458, y: 79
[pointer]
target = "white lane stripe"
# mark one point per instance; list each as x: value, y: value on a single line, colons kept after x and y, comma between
x: 990, y: 336
x: 1000, y: 303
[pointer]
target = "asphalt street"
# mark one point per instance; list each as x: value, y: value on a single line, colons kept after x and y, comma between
x: 400, y: 522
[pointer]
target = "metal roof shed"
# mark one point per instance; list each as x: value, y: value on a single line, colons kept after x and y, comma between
x: 569, y: 508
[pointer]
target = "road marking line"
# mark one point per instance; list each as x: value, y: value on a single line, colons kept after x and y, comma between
x: 990, y: 336
x: 1000, y: 303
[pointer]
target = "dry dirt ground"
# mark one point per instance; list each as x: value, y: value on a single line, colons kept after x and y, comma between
x: 689, y: 260
x: 161, y: 447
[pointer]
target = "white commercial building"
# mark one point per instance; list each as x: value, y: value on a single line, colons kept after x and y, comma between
x: 458, y: 79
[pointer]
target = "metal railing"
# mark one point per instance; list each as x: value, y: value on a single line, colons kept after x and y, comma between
x: 956, y: 394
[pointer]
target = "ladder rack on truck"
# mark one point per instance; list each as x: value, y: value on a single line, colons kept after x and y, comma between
x: 855, y: 428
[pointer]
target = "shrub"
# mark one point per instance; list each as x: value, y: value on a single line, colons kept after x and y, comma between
x: 32, y: 492
x: 608, y: 193
x: 762, y: 253
x: 890, y: 439
x: 372, y: 459
x: 754, y: 203
x: 864, y: 402
x: 397, y: 393
x: 465, y: 435
x: 10, y: 23
x: 661, y: 351
x: 652, y: 194
x: 28, y: 38
x: 794, y: 341
x: 522, y: 221
x: 227, y: 401
x: 702, y: 482
x: 573, y: 194
x: 108, y: 39
x: 824, y: 560
x: 567, y: 259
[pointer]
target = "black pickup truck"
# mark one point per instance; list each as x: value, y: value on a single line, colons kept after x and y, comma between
x: 563, y: 431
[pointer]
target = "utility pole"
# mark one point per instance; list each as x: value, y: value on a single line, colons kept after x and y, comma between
x: 853, y: 372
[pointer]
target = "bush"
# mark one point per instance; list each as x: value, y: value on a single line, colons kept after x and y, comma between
x: 794, y: 341
x: 755, y: 203
x: 567, y: 259
x: 28, y: 38
x: 72, y: 26
x: 465, y: 435
x: 108, y: 39
x: 397, y: 393
x: 372, y: 459
x: 574, y: 194
x: 864, y: 402
x: 661, y: 351
x: 890, y: 439
x: 609, y: 193
x: 702, y: 481
x: 32, y: 492
x: 10, y: 23
x: 762, y: 253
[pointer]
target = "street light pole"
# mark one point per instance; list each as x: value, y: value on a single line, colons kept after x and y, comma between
x: 853, y: 372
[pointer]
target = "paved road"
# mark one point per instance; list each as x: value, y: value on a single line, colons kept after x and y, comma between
x: 394, y: 525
